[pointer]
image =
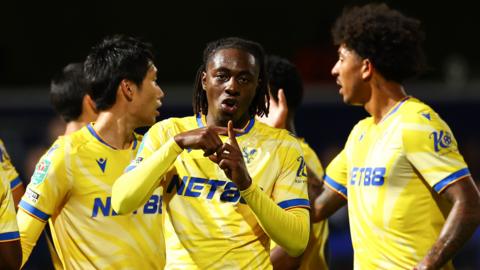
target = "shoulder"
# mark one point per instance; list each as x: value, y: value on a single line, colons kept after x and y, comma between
x: 173, y: 122
x: 418, y: 115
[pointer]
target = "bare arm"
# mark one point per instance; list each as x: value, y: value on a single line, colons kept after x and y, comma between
x: 461, y: 222
x: 10, y: 255
x: 327, y: 203
x: 17, y: 194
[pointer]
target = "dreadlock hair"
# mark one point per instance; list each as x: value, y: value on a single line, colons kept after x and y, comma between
x: 260, y: 103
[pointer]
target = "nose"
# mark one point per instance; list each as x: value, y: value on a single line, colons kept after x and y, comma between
x: 335, y: 69
x: 231, y: 87
x: 162, y: 94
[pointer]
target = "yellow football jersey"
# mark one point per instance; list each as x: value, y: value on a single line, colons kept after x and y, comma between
x: 314, y: 255
x: 9, y: 172
x: 71, y: 186
x: 210, y: 226
x: 8, y: 221
x: 392, y: 173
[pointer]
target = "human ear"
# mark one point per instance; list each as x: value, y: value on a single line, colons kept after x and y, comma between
x: 126, y: 88
x: 367, y: 69
x: 204, y: 80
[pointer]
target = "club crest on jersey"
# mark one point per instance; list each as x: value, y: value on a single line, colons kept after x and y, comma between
x: 40, y: 172
x: 249, y: 154
x: 441, y: 139
x: 102, y: 163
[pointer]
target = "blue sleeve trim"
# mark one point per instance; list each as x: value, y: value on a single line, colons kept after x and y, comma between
x: 452, y: 177
x: 15, y: 183
x: 9, y: 236
x: 34, y: 211
x: 295, y: 203
x: 338, y: 187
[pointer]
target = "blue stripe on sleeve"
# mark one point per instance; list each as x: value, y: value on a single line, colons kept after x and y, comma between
x: 338, y: 187
x: 9, y: 236
x: 294, y: 203
x: 15, y: 183
x: 452, y: 177
x: 34, y: 211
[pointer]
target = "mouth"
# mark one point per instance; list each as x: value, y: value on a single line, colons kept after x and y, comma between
x: 340, y: 85
x: 159, y: 104
x: 229, y: 105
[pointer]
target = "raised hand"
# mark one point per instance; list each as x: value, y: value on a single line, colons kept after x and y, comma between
x: 277, y: 115
x: 230, y: 160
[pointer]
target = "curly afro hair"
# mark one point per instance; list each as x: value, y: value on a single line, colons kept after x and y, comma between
x: 389, y: 39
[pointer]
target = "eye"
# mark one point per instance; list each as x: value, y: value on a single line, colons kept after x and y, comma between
x: 244, y: 79
x: 221, y: 77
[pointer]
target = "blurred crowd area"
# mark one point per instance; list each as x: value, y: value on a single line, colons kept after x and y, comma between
x: 28, y: 132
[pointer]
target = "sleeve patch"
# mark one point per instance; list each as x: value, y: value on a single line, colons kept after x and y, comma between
x: 40, y: 172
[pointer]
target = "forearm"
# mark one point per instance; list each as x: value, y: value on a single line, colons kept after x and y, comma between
x: 327, y: 203
x: 282, y: 261
x: 134, y: 187
x: 30, y: 229
x: 288, y: 228
x: 459, y: 227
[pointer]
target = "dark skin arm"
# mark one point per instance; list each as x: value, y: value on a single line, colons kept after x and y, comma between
x: 326, y: 204
x: 10, y: 255
x: 205, y: 138
x: 461, y: 223
x: 17, y: 194
x: 230, y: 159
x: 279, y: 258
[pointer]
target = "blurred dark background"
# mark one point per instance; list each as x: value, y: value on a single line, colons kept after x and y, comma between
x: 39, y: 38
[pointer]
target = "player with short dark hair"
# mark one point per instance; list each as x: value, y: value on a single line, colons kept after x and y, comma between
x: 72, y: 182
x: 412, y: 202
x: 69, y: 97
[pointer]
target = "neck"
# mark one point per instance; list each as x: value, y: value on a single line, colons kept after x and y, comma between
x: 385, y: 94
x: 73, y: 126
x: 115, y: 128
x: 211, y: 120
x: 290, y: 124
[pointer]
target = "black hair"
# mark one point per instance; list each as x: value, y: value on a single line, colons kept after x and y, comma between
x: 260, y: 102
x: 114, y: 59
x: 283, y: 74
x: 67, y: 89
x: 389, y: 39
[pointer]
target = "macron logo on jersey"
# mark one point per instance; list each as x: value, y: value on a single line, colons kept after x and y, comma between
x: 102, y: 163
x: 427, y: 115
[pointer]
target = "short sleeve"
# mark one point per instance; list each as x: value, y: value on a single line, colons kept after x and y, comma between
x: 312, y: 160
x: 336, y: 177
x: 290, y: 189
x: 9, y: 171
x: 8, y: 221
x: 49, y: 184
x: 432, y: 149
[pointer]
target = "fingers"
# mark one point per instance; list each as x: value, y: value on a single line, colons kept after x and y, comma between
x: 231, y: 135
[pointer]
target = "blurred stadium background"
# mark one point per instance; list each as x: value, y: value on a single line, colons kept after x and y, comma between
x: 35, y: 44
